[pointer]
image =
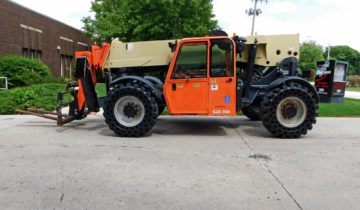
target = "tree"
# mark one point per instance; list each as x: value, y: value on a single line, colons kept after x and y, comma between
x: 310, y: 53
x: 135, y: 20
x: 346, y: 53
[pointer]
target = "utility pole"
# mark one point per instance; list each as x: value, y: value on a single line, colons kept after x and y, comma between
x: 328, y: 52
x: 254, y: 12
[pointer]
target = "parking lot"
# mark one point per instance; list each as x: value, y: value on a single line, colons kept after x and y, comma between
x: 185, y: 163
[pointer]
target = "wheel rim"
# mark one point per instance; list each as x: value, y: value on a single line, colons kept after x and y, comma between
x: 291, y: 112
x: 129, y: 111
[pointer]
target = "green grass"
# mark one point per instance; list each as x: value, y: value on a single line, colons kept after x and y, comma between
x: 100, y: 89
x: 350, y: 108
x: 357, y: 89
x: 165, y: 112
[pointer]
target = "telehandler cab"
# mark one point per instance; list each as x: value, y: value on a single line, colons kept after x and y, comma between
x: 214, y: 75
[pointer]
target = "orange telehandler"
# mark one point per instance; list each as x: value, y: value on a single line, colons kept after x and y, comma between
x: 216, y: 75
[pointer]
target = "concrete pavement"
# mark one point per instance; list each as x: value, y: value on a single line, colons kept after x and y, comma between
x: 186, y: 163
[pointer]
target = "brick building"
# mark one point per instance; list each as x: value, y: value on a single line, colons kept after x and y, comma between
x: 28, y: 33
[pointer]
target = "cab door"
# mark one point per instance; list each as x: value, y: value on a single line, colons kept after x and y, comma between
x: 222, y: 87
x: 186, y: 88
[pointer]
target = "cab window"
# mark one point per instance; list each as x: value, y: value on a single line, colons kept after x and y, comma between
x: 222, y: 59
x: 191, y: 61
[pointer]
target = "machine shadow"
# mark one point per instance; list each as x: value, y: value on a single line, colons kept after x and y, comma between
x: 208, y: 126
x: 172, y: 125
x: 193, y: 126
x: 245, y: 126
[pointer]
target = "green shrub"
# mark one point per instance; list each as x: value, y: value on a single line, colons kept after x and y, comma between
x: 22, y: 71
x: 354, y: 80
x: 56, y: 80
x: 2, y: 83
x: 41, y: 96
x: 307, y: 66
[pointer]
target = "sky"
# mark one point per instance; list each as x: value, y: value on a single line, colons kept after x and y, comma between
x: 327, y: 22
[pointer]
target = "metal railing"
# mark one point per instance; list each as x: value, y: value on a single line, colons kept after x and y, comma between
x: 4, y: 82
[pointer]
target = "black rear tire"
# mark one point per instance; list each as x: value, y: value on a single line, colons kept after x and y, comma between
x: 289, y: 111
x: 114, y: 114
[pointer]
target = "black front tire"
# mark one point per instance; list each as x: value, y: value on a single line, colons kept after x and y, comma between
x: 159, y: 85
x: 143, y: 96
x: 289, y: 111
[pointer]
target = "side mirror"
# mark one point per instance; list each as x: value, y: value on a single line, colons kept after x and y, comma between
x: 240, y: 43
x: 172, y: 46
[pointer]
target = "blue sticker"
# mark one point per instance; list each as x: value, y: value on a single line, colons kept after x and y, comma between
x: 227, y: 99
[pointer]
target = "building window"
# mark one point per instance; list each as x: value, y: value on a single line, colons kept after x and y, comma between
x: 31, y: 42
x: 66, y: 66
x: 31, y: 53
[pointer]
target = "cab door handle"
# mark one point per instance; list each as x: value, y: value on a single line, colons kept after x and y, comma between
x: 173, y: 87
x: 229, y: 80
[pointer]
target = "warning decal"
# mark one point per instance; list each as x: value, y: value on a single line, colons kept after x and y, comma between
x: 214, y: 87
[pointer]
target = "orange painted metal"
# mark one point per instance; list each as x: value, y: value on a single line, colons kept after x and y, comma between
x: 190, y: 96
x: 222, y: 99
x: 87, y: 54
x: 201, y: 96
x: 80, y: 96
x: 96, y: 58
x: 99, y: 54
x: 222, y: 91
